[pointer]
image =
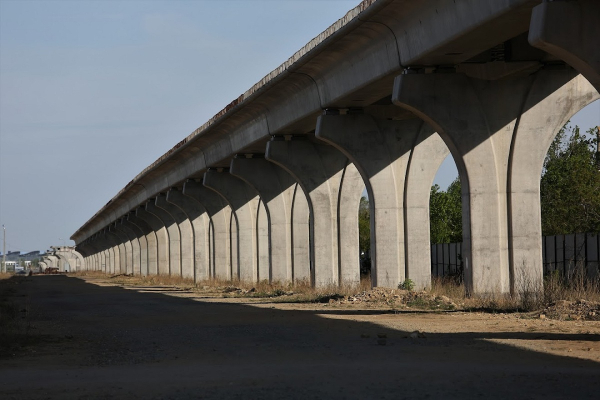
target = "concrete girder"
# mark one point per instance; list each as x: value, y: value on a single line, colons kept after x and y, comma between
x: 200, y: 222
x: 219, y: 229
x: 151, y: 266
x: 276, y: 189
x: 186, y: 235
x: 382, y: 150
x: 173, y: 234
x: 480, y: 121
x: 321, y: 171
x: 162, y: 240
x: 244, y: 203
x: 569, y: 30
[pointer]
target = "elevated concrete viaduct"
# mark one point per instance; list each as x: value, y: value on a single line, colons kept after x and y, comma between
x: 269, y: 188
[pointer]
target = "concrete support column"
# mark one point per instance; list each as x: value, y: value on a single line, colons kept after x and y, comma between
x: 220, y: 217
x: 243, y: 200
x: 553, y: 98
x: 186, y: 235
x: 276, y: 189
x: 569, y: 30
x: 173, y: 234
x: 51, y: 261
x: 121, y: 250
x: 381, y: 151
x: 92, y: 249
x: 132, y: 246
x: 107, y: 242
x: 142, y: 268
x: 426, y: 156
x: 300, y: 236
x: 162, y: 240
x: 151, y: 266
x: 481, y: 122
x: 320, y: 170
x: 200, y: 222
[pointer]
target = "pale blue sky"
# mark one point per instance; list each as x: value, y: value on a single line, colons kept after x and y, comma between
x: 92, y: 92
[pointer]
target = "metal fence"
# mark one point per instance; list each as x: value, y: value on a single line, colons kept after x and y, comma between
x: 563, y: 253
x: 446, y: 259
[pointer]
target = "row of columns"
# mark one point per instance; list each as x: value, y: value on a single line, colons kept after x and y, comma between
x: 292, y: 214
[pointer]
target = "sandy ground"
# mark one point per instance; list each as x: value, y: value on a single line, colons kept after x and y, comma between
x: 96, y: 340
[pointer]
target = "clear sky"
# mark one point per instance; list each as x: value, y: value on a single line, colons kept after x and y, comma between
x: 92, y: 92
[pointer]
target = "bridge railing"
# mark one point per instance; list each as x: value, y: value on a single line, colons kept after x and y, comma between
x: 563, y: 253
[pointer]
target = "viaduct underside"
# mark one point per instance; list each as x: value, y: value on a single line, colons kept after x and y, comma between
x: 269, y: 188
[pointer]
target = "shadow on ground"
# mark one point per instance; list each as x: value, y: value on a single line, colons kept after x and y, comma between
x: 108, y: 342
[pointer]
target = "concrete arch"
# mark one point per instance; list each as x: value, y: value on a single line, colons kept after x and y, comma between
x: 219, y: 226
x: 173, y: 235
x: 480, y: 122
x: 73, y: 257
x: 529, y: 147
x: 200, y: 222
x: 244, y: 201
x: 162, y: 239
x: 186, y: 236
x: 320, y: 170
x: 382, y: 151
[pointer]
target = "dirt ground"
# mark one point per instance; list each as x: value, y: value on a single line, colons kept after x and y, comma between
x: 91, y: 339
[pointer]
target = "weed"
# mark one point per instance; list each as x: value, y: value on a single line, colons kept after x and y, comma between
x: 407, y: 285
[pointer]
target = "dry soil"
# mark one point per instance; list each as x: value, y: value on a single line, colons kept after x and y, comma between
x: 91, y: 339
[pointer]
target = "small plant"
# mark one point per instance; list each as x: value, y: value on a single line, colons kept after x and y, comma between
x: 407, y: 285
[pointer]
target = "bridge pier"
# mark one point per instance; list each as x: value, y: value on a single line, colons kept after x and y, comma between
x: 119, y: 243
x: 244, y: 203
x: 186, y: 236
x: 220, y: 215
x: 200, y: 224
x: 173, y: 235
x: 149, y: 236
x: 276, y: 188
x: 481, y: 122
x: 381, y: 150
x: 140, y: 266
x: 131, y: 247
x: 162, y: 241
x: 321, y: 171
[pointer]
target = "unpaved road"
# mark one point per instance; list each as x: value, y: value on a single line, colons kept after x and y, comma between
x: 98, y: 340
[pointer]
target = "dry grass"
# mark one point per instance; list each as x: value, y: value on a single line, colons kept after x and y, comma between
x: 576, y: 288
x: 301, y: 291
x: 556, y: 287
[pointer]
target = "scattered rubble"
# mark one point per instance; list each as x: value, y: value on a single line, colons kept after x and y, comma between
x: 580, y: 310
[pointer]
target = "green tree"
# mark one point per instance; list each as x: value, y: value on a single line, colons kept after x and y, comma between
x: 445, y: 211
x: 364, y: 225
x: 570, y: 184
